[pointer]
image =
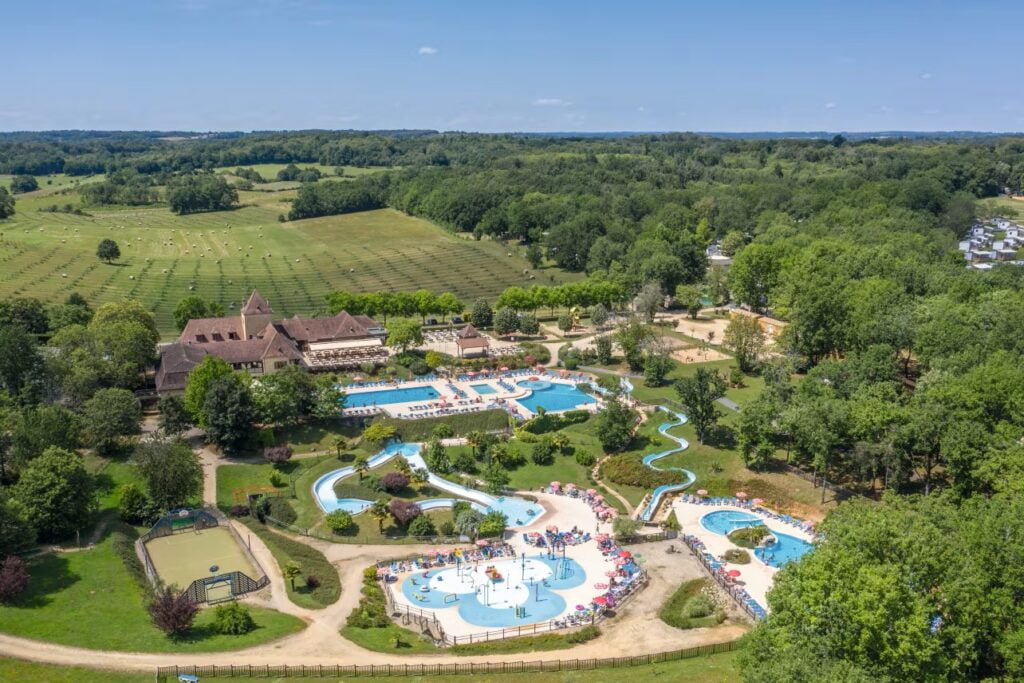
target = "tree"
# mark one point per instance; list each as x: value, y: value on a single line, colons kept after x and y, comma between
x: 134, y: 507
x: 327, y: 398
x: 745, y: 338
x: 448, y: 304
x: 361, y: 466
x: 625, y: 527
x: 27, y: 313
x: 615, y: 425
x: 633, y: 336
x: 403, y: 334
x: 21, y: 367
x: 422, y: 527
x: 534, y: 255
x: 6, y: 204
x: 110, y: 415
x: 16, y: 533
x: 200, y: 192
x: 700, y: 393
x: 467, y: 522
x: 14, y: 578
x: 173, y: 612
x: 482, y: 315
x: 285, y: 396
x: 603, y: 347
x: 437, y: 457
x: 732, y: 243
x: 33, y: 430
x: 200, y: 378
x: 528, y: 324
x: 194, y: 306
x: 649, y: 300
x: 657, y: 365
x: 755, y: 273
x: 565, y: 323
x: 493, y: 524
x: 393, y: 482
x: 599, y: 316
x: 173, y: 473
x: 56, y: 492
x: 496, y: 478
x: 228, y: 413
x: 174, y: 418
x: 691, y: 298
x: 24, y: 183
x: 381, y: 512
x: 108, y: 251
x: 339, y: 521
x: 378, y: 434
x: 505, y: 321
x: 292, y: 570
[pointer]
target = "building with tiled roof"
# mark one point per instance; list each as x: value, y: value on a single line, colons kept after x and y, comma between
x: 254, y: 342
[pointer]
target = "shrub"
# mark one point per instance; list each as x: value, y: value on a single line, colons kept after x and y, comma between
x: 493, y: 524
x: 447, y: 528
x: 135, y: 507
x: 13, y: 578
x: 393, y: 482
x: 585, y: 458
x: 233, y: 619
x: 280, y: 509
x: 239, y: 511
x: 339, y: 521
x: 404, y: 511
x: 277, y: 454
x: 629, y: 470
x: 737, y: 556
x: 123, y: 546
x: 583, y: 635
x: 625, y: 526
x: 543, y: 452
x: 422, y: 526
x: 312, y: 582
x: 172, y: 612
x: 419, y: 368
x: 265, y: 437
x: 371, y: 611
x: 277, y: 479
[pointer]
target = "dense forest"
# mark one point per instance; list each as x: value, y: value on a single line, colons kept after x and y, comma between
x: 901, y: 372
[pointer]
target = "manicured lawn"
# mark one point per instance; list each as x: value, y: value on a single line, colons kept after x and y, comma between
x: 312, y: 562
x: 88, y: 599
x: 719, y: 668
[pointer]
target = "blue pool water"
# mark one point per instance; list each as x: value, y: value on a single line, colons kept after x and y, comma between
x: 785, y: 549
x: 531, y: 584
x: 385, y: 396
x: 552, y: 396
x: 483, y: 389
x: 518, y: 511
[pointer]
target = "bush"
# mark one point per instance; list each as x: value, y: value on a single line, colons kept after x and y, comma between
x: 447, y: 528
x: 172, y: 612
x: 698, y: 606
x: 371, y: 611
x: 583, y: 635
x: 239, y: 511
x: 422, y: 526
x: 543, y: 452
x: 585, y: 458
x: 135, y: 507
x: 419, y: 368
x: 277, y: 454
x: 265, y: 437
x: 277, y: 479
x: 123, y: 546
x: 233, y: 619
x: 404, y: 511
x: 737, y: 556
x: 339, y: 521
x: 547, y: 422
x: 280, y: 509
x: 629, y: 470
x: 312, y: 582
x: 393, y: 482
x: 624, y: 527
x: 13, y: 578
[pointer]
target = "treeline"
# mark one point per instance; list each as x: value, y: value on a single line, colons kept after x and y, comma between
x: 422, y: 302
x: 127, y: 187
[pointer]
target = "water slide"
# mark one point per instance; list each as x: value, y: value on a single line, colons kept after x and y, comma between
x: 682, y: 444
x: 519, y: 511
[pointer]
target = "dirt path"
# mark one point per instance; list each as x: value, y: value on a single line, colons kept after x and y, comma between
x: 635, y: 630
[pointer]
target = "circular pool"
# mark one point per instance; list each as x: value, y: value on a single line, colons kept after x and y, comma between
x: 534, y: 384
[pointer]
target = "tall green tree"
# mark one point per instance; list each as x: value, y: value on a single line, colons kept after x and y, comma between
x: 700, y: 393
x: 228, y: 413
x: 173, y: 473
x: 200, y: 378
x: 109, y: 416
x: 56, y: 492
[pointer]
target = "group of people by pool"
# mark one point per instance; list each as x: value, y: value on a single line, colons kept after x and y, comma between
x: 555, y: 539
x: 485, y: 550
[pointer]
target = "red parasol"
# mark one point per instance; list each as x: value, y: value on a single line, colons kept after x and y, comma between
x: 625, y: 553
x: 733, y: 573
x: 600, y: 600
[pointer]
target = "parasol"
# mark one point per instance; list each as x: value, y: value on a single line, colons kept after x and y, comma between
x: 702, y: 492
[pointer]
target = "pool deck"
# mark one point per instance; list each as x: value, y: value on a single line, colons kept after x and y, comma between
x: 756, y: 577
x: 451, y: 402
x: 564, y: 513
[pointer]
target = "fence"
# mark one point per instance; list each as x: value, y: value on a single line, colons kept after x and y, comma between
x: 728, y: 588
x: 337, y: 671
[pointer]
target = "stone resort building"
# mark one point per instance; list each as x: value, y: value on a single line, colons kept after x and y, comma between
x: 254, y: 342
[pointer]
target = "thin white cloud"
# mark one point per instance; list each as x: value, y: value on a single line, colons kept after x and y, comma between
x: 551, y: 102
x: 831, y: 105
x: 926, y: 76
x: 641, y: 109
x: 427, y: 51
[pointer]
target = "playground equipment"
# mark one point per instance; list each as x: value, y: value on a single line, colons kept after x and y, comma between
x: 450, y: 598
x: 493, y: 574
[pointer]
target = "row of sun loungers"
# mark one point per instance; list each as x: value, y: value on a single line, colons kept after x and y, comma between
x: 738, y: 593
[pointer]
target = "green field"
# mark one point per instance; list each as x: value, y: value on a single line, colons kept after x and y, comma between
x: 224, y: 255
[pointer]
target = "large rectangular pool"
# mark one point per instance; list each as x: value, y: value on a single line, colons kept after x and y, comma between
x: 382, y: 397
x: 483, y: 389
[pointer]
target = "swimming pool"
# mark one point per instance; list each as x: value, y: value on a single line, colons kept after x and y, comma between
x: 552, y: 396
x: 385, y: 396
x: 520, y: 591
x: 785, y: 549
x: 483, y: 389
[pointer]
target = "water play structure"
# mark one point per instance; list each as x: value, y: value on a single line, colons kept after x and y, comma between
x: 518, y: 511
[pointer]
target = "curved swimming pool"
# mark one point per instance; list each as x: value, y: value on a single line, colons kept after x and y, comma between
x: 553, y: 397
x: 785, y: 549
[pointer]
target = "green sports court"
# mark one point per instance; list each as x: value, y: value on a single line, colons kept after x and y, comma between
x: 183, y: 557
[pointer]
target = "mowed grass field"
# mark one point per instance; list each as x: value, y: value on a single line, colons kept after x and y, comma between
x: 224, y: 255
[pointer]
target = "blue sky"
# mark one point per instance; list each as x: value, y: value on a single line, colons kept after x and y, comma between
x: 518, y: 65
